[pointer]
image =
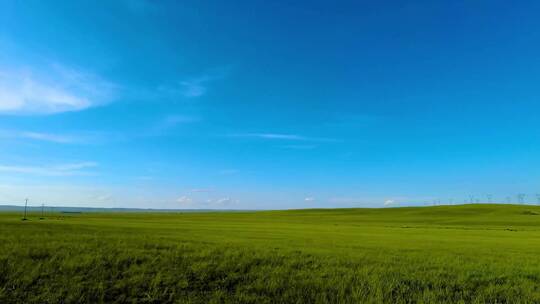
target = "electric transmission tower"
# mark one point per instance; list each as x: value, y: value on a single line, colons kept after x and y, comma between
x: 521, y: 198
x: 25, y: 206
x: 489, y: 198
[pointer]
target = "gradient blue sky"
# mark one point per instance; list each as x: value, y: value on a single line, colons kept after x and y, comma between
x: 268, y: 104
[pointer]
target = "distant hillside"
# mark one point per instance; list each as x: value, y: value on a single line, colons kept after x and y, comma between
x: 14, y: 208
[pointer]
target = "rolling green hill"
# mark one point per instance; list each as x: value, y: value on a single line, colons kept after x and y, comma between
x: 452, y: 254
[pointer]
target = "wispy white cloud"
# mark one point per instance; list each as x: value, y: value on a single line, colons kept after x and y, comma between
x: 198, y: 86
x: 68, y: 169
x: 75, y: 166
x: 223, y: 201
x: 276, y: 136
x: 283, y: 136
x: 172, y: 121
x: 40, y: 136
x: 167, y: 123
x: 300, y: 147
x: 193, y: 88
x: 309, y: 199
x: 51, y: 89
x: 184, y: 201
x: 48, y: 137
x: 77, y: 137
x: 201, y: 190
x: 104, y: 198
x: 228, y: 172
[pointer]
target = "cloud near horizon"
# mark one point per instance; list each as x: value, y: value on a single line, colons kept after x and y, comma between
x: 389, y: 202
x: 184, y: 201
x: 189, y: 202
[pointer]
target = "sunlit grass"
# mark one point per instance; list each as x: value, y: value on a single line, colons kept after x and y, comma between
x: 471, y: 253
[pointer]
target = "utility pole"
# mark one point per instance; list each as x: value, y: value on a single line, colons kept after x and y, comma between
x: 25, y: 205
x: 42, y: 209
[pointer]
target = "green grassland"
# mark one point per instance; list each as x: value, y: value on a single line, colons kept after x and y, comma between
x: 450, y: 254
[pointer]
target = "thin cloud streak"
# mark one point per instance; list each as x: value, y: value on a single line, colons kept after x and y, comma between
x: 194, y: 87
x: 284, y: 137
x: 186, y: 202
x: 68, y: 169
x: 80, y: 137
x: 201, y: 190
x: 172, y: 121
x: 39, y: 136
x: 299, y: 147
x: 228, y: 172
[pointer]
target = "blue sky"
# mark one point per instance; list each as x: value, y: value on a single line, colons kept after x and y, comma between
x: 268, y: 104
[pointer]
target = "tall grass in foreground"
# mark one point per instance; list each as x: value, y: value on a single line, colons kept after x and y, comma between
x: 356, y: 256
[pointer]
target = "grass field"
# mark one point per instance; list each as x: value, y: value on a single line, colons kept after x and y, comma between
x: 452, y: 254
